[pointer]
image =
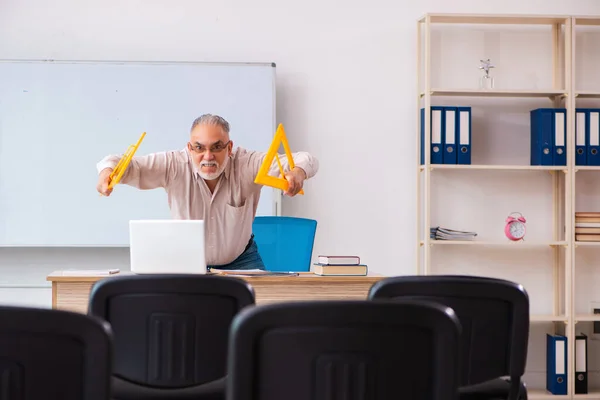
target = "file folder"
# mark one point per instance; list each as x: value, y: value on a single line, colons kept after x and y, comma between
x: 449, y: 138
x: 541, y: 133
x: 422, y: 136
x: 464, y: 135
x: 580, y: 136
x: 581, y: 364
x: 560, y: 137
x: 436, y: 154
x: 593, y: 139
x: 437, y: 132
x: 556, y: 364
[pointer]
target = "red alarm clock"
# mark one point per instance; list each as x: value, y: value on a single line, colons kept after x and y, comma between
x: 515, y: 227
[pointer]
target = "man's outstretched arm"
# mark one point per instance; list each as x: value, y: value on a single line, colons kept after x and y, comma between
x: 143, y: 172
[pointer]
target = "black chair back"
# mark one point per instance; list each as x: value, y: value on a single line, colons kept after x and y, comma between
x: 494, y: 315
x: 53, y: 355
x: 335, y: 349
x: 170, y: 331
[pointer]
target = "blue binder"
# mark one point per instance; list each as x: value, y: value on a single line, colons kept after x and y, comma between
x: 422, y: 136
x: 560, y: 137
x: 542, y: 132
x: 463, y: 129
x: 593, y: 136
x: 581, y: 134
x: 436, y: 154
x: 449, y: 134
x: 556, y: 364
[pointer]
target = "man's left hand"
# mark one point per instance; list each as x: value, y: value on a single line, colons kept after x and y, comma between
x: 295, y: 178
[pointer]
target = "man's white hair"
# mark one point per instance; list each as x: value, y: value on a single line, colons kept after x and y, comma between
x: 210, y: 119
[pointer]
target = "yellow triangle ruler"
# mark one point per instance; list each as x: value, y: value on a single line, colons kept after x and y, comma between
x: 263, y: 177
x: 117, y: 173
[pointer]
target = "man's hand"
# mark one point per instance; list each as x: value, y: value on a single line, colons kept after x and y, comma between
x: 295, y: 178
x: 103, y: 181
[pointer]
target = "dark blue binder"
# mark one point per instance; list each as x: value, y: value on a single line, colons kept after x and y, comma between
x: 560, y: 137
x: 449, y: 134
x: 592, y: 121
x: 556, y: 364
x: 542, y: 132
x: 463, y: 131
x: 581, y: 135
x: 422, y: 136
x: 436, y: 133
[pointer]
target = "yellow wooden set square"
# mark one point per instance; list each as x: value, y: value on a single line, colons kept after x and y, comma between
x: 263, y: 177
x: 117, y: 173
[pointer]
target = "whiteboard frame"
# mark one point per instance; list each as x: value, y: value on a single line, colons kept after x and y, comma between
x: 277, y: 198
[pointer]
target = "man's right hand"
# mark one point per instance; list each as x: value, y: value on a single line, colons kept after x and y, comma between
x: 103, y: 181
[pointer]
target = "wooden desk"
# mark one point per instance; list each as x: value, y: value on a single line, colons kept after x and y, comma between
x: 72, y: 292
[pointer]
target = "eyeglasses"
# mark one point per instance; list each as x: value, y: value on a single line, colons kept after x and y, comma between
x: 216, y: 148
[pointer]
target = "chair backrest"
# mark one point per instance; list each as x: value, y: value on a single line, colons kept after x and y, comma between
x: 494, y: 315
x: 285, y: 243
x: 344, y: 349
x: 170, y: 331
x: 54, y: 355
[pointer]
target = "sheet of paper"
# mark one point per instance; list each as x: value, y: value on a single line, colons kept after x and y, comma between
x: 90, y: 272
x: 250, y: 272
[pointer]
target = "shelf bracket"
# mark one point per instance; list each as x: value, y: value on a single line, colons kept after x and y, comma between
x: 553, y: 171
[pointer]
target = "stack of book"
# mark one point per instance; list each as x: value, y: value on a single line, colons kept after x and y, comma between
x: 438, y: 233
x: 587, y: 226
x: 339, y: 265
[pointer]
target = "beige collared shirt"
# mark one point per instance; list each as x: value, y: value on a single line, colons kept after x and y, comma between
x: 228, y: 212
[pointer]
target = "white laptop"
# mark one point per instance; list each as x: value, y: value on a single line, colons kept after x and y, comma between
x: 167, y: 246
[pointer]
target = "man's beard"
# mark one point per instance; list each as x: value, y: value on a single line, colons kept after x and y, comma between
x: 209, y: 176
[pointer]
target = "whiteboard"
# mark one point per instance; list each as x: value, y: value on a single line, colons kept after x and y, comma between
x: 58, y: 119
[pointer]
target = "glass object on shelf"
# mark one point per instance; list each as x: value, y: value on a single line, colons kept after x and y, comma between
x: 486, y: 82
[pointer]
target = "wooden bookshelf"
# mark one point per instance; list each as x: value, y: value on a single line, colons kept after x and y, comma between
x: 561, y: 92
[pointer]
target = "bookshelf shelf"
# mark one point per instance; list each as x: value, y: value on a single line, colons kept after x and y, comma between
x: 494, y: 243
x: 593, y: 394
x: 552, y: 94
x: 587, y: 318
x: 587, y: 95
x: 510, y: 19
x: 549, y: 318
x: 586, y: 20
x: 437, y: 192
x: 587, y: 244
x: 586, y: 168
x: 542, y: 394
x: 496, y: 167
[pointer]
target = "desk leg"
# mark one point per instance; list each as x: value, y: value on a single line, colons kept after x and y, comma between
x: 54, y: 285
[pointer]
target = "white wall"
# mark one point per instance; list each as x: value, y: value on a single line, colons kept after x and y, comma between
x: 346, y: 92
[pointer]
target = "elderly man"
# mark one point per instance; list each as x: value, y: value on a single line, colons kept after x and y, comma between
x: 209, y: 180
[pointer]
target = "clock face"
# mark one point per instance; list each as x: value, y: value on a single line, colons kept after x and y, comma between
x: 517, y: 229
